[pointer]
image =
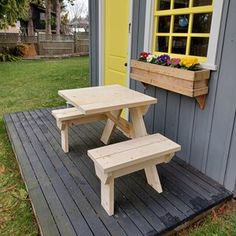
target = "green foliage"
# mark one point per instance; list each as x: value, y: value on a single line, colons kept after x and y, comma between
x: 28, y: 85
x: 11, y: 11
x: 12, y: 54
x: 7, y: 57
x: 223, y: 226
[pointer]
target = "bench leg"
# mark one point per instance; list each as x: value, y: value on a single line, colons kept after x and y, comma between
x: 153, y: 178
x: 107, y: 196
x: 109, y: 128
x: 64, y: 138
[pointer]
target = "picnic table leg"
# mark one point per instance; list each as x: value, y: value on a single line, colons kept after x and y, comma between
x: 139, y: 130
x: 109, y: 128
x: 64, y: 138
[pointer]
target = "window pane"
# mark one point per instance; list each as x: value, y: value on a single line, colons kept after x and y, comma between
x: 163, y: 5
x: 181, y: 3
x: 179, y: 45
x: 181, y: 24
x: 199, y: 46
x: 197, y: 3
x: 164, y: 24
x: 202, y: 23
x: 162, y: 44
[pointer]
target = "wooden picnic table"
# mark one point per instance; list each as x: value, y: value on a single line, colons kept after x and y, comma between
x: 111, y: 100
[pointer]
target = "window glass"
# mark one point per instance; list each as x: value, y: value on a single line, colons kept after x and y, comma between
x: 181, y: 24
x: 179, y: 45
x: 163, y: 5
x: 181, y: 29
x: 181, y: 4
x: 198, y: 3
x: 199, y: 46
x: 162, y: 44
x: 202, y: 23
x: 164, y: 24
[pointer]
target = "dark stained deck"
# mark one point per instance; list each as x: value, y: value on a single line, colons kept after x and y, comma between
x: 65, y: 192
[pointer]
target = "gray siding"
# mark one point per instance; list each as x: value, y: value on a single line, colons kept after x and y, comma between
x: 93, y: 42
x: 208, y: 137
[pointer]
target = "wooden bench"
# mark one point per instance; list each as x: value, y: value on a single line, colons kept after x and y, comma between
x: 67, y: 117
x: 129, y: 156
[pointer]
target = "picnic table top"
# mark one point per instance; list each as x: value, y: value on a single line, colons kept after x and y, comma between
x: 105, y: 98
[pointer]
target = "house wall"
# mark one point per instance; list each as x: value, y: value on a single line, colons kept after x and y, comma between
x: 208, y: 137
x: 94, y: 42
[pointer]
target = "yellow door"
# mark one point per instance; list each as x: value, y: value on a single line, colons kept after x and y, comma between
x: 116, y: 41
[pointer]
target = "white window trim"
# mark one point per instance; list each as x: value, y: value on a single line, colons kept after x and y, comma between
x: 214, y: 33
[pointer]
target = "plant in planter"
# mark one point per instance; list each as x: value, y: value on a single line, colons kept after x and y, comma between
x: 183, y: 76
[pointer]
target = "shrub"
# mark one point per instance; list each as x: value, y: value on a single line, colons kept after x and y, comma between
x: 12, y: 54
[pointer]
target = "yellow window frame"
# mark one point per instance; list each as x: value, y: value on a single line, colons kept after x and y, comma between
x: 181, y: 11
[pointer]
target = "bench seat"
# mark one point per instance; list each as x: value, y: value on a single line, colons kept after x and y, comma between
x: 129, y: 156
x: 72, y: 116
x: 67, y: 114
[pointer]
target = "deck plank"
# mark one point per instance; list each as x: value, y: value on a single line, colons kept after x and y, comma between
x: 65, y: 192
x: 39, y: 203
x: 54, y: 203
x: 81, y: 182
x: 80, y: 201
x: 129, y: 218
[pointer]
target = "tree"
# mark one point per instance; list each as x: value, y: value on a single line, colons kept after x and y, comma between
x: 77, y: 9
x: 59, y: 7
x: 11, y: 11
x: 65, y: 23
x: 58, y: 16
x: 48, y: 17
x: 30, y: 25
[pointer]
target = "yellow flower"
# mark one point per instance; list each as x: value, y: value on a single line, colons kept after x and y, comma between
x: 189, y: 61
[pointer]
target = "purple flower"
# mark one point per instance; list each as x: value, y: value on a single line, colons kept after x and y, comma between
x: 163, y: 59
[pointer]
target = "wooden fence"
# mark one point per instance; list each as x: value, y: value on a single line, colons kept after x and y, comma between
x: 55, y: 44
x: 49, y: 45
x: 13, y: 39
x: 82, y: 43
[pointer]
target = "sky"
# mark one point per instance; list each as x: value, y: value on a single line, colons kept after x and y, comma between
x: 80, y: 7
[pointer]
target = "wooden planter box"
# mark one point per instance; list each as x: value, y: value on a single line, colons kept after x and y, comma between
x: 185, y: 82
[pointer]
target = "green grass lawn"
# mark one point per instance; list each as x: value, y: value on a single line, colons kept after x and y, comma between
x: 26, y: 85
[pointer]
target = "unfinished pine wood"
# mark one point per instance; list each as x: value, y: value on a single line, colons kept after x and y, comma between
x: 67, y: 113
x: 188, y: 83
x: 201, y: 101
x: 72, y: 116
x: 139, y: 130
x: 94, y: 100
x: 132, y: 152
x: 64, y: 138
x: 110, y: 126
x: 138, y: 124
x: 186, y: 192
x: 128, y: 158
x: 177, y: 73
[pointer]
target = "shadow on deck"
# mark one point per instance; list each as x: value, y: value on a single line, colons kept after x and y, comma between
x: 65, y: 192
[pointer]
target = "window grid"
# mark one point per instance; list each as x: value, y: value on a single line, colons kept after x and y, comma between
x: 181, y: 11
